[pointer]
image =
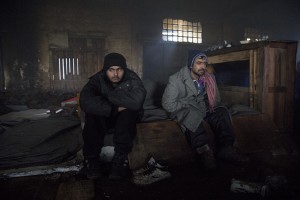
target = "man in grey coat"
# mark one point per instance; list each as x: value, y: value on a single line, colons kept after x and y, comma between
x: 192, y: 97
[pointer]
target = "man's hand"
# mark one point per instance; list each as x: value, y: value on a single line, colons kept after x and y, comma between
x: 121, y: 109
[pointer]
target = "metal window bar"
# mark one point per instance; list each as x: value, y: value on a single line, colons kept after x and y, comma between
x: 181, y: 31
x: 67, y: 67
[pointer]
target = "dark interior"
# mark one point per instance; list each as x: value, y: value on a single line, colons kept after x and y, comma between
x: 49, y: 49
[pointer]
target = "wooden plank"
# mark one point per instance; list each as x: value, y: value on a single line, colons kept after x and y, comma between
x: 265, y: 80
x: 259, y: 79
x: 291, y: 71
x: 76, y: 190
x: 255, y: 74
x: 281, y: 45
x: 251, y: 78
x: 241, y: 55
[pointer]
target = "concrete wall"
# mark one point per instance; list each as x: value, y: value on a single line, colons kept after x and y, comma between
x: 28, y: 29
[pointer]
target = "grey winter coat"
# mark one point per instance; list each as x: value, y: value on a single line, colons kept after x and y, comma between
x: 99, y: 97
x: 182, y: 101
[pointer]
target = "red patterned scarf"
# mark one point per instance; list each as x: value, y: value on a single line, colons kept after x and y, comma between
x: 210, y: 89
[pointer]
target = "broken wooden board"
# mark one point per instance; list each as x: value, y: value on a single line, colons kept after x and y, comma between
x: 163, y: 140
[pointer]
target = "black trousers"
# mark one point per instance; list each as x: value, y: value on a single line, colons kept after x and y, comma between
x: 96, y: 127
x: 221, y: 125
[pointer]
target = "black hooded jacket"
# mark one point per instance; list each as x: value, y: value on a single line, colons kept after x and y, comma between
x: 99, y: 97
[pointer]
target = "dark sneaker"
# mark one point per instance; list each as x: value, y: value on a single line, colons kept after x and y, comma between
x: 93, y: 169
x: 120, y: 167
x: 229, y: 153
x: 151, y: 164
x: 206, y: 157
x: 151, y: 173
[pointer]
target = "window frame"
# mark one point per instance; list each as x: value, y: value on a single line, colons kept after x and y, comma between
x: 183, y: 31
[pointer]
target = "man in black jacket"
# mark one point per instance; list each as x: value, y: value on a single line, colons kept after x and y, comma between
x: 112, y: 100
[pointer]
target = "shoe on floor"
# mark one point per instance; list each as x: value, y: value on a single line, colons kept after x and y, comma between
x: 150, y: 176
x: 93, y: 169
x: 152, y: 172
x: 229, y: 153
x: 120, y: 167
x: 152, y: 163
x: 206, y: 157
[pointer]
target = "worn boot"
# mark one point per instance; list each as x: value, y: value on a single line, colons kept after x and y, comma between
x: 120, y: 167
x: 206, y: 157
x: 93, y: 169
x: 228, y: 153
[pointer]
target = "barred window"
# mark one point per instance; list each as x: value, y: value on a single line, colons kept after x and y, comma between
x: 178, y: 30
x: 72, y: 66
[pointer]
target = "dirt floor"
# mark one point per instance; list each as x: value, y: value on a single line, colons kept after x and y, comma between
x: 187, y: 182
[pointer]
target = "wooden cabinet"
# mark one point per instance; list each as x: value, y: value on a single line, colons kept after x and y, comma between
x: 260, y: 75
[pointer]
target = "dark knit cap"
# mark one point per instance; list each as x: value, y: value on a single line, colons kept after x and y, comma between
x: 193, y: 55
x: 114, y: 59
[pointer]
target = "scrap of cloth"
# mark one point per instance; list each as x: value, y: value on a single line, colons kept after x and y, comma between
x: 41, y: 142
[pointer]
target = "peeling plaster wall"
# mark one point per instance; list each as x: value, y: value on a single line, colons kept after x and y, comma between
x: 31, y: 30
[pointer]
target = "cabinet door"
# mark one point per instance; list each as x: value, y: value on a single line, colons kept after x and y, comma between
x: 279, y: 85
